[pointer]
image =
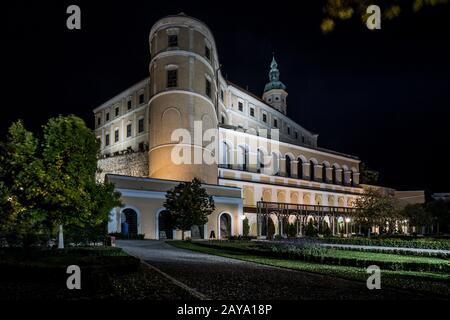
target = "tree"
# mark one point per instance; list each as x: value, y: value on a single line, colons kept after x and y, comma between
x: 375, y: 208
x: 51, y: 182
x: 20, y: 176
x: 368, y: 175
x: 439, y: 213
x: 245, y: 227
x: 336, y: 10
x: 416, y: 215
x: 311, y: 230
x: 189, y: 205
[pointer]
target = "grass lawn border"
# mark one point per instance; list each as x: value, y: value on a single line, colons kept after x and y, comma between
x: 437, y: 284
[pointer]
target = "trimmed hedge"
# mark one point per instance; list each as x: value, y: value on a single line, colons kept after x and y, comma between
x: 314, y: 253
x: 390, y: 242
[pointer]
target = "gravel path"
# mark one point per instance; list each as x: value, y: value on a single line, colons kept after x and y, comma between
x: 223, y: 278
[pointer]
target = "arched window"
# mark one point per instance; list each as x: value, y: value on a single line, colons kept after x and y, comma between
x: 311, y: 170
x: 260, y: 160
x: 324, y: 172
x: 300, y: 168
x: 342, y: 177
x: 243, y: 158
x: 275, y: 163
x: 225, y: 155
x: 333, y: 175
x: 288, y: 166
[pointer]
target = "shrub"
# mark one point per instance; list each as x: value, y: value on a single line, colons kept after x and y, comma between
x: 129, y: 236
x: 245, y: 227
x: 311, y: 230
x: 291, y: 230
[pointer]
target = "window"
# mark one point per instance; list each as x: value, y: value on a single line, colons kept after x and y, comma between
x: 221, y: 95
x: 288, y: 166
x: 252, y: 112
x: 107, y: 140
x: 99, y: 120
x: 128, y: 130
x: 208, y: 88
x: 172, y: 78
x: 173, y: 40
x: 264, y: 117
x: 311, y: 170
x: 141, y: 125
x: 240, y: 106
x: 129, y: 104
x: 116, y: 135
x: 296, y: 134
x: 288, y: 130
x: 116, y: 111
x: 300, y: 168
x: 141, y: 98
x: 275, y: 123
x: 107, y: 116
x: 207, y: 52
x: 303, y: 139
x: 222, y: 120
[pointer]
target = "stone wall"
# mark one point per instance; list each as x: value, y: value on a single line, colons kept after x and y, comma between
x: 132, y: 164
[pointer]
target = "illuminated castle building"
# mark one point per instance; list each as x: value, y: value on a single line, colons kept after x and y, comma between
x: 267, y: 164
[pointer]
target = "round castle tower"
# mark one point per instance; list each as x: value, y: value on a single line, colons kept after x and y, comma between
x: 183, y: 70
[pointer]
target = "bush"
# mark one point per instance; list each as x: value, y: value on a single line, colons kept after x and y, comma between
x: 291, y: 230
x: 311, y: 230
x: 319, y: 254
x: 394, y: 242
x: 245, y: 227
x: 129, y: 236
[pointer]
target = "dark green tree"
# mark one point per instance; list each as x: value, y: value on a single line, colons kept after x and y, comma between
x: 52, y: 182
x: 311, y: 230
x: 189, y: 204
x: 375, y: 208
x: 21, y: 172
x: 245, y: 227
x: 368, y: 175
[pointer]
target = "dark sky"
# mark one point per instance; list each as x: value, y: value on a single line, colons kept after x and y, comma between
x: 383, y: 96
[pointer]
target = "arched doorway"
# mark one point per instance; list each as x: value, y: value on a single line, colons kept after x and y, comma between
x: 224, y: 226
x: 131, y: 221
x: 165, y: 225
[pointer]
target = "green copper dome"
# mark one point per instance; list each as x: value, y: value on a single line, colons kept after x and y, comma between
x: 274, y: 76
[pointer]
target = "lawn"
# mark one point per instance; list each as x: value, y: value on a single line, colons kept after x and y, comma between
x: 106, y: 273
x: 434, y: 283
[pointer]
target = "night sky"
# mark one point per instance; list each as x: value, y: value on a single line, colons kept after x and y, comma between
x: 383, y: 96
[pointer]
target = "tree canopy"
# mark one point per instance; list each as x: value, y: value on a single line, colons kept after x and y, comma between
x: 50, y: 181
x: 189, y: 204
x: 340, y: 10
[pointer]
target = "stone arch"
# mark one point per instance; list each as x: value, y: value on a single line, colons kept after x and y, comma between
x: 165, y: 224
x: 281, y: 196
x: 267, y: 195
x: 318, y: 199
x: 243, y: 156
x: 312, y: 169
x: 226, y: 154
x: 331, y: 200
x: 307, y: 198
x: 225, y: 225
x: 132, y: 216
x: 294, y: 197
x: 248, y: 197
